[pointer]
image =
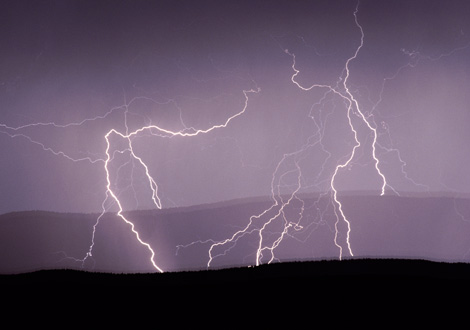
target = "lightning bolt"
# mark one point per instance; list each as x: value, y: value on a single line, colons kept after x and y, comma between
x: 286, y: 215
x: 280, y: 205
x: 161, y: 132
x: 341, y: 90
x: 111, y: 196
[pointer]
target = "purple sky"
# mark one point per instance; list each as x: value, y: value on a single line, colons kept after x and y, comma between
x: 71, y: 71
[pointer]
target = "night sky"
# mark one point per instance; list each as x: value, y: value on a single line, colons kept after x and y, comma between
x: 71, y: 71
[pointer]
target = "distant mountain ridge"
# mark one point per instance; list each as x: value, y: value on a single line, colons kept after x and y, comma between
x: 432, y: 228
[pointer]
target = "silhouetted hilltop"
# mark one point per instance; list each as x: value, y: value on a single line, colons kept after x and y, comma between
x: 372, y: 274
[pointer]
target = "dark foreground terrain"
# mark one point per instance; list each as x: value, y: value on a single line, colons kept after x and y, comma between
x: 291, y: 275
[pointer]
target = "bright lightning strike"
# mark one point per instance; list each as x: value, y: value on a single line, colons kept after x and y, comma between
x: 312, y: 161
x: 112, y: 197
x: 151, y: 181
x: 342, y: 91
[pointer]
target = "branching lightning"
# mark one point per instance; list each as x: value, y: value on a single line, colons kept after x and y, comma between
x: 286, y: 216
x: 353, y: 110
x: 111, y: 195
x: 342, y: 91
x: 151, y: 181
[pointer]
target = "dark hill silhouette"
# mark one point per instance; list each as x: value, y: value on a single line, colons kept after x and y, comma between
x: 429, y: 228
x: 381, y: 278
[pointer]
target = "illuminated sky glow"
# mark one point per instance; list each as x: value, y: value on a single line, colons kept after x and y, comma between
x: 119, y: 106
